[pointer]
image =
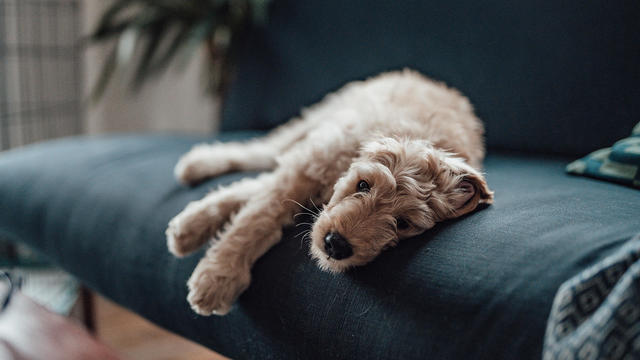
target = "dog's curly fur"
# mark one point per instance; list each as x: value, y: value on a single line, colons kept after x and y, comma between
x: 415, y: 142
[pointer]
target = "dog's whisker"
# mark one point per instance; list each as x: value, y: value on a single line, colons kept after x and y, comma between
x: 302, y: 206
x: 306, y: 235
x: 314, y: 205
x: 304, y: 223
x: 303, y: 240
x: 305, y: 213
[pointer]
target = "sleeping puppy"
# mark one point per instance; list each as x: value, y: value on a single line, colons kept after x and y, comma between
x: 389, y: 157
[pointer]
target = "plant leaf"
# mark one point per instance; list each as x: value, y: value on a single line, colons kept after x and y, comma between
x: 106, y: 73
x: 154, y: 35
x: 106, y: 27
x: 198, y: 35
x: 177, y: 43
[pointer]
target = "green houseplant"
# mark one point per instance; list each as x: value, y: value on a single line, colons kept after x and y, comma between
x: 147, y: 35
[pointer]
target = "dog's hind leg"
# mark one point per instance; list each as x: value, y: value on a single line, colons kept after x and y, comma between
x: 200, y: 220
x: 208, y: 160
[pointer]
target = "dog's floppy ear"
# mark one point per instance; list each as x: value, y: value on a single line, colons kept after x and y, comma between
x: 463, y: 187
x: 471, y: 190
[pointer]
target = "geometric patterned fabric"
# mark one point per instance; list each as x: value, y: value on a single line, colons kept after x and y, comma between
x: 619, y: 163
x: 596, y: 314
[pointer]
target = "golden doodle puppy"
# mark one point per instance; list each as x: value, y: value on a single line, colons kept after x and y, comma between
x: 388, y: 157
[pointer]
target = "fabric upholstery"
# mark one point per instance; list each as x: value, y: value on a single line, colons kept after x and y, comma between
x: 619, y: 163
x: 550, y: 76
x: 478, y: 287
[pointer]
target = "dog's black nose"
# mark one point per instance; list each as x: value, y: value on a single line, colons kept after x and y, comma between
x: 336, y: 246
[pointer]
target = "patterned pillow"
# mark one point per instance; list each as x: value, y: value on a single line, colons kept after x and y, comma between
x: 619, y: 163
x: 596, y: 313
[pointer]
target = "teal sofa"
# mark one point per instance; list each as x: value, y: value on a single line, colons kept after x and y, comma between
x: 552, y: 81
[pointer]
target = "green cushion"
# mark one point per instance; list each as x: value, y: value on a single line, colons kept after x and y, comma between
x: 619, y: 163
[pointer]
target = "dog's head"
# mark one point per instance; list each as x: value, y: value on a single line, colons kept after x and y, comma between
x: 395, y: 189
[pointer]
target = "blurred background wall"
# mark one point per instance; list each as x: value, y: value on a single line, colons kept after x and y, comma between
x: 40, y: 71
x: 46, y: 77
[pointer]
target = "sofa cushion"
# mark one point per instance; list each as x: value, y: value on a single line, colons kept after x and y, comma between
x: 558, y: 76
x: 478, y: 287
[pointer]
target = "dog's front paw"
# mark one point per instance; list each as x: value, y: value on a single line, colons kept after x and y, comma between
x: 214, y: 287
x: 199, y: 164
x: 187, y: 231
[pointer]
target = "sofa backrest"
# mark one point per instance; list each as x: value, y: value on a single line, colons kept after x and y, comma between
x: 546, y: 76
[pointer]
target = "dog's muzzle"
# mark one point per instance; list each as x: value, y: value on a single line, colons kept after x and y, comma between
x: 336, y: 246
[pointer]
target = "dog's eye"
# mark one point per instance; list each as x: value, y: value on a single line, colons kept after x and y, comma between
x: 363, y: 186
x: 402, y: 223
